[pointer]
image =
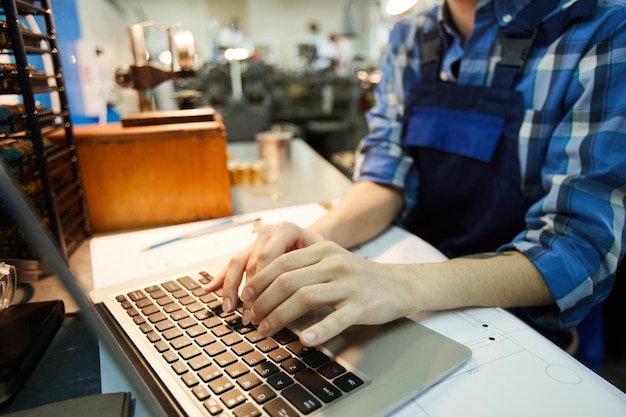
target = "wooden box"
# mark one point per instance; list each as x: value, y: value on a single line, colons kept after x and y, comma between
x: 145, y: 176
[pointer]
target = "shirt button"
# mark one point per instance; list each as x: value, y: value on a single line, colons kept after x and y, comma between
x: 507, y: 18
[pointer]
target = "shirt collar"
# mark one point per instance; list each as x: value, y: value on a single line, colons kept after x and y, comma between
x: 505, y: 10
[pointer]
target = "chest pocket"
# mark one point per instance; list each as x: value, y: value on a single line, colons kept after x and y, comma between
x: 465, y: 133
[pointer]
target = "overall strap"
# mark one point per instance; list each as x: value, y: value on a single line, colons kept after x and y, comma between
x: 528, y: 30
x: 431, y: 48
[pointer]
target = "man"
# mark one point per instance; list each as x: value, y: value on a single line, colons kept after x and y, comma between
x: 499, y: 136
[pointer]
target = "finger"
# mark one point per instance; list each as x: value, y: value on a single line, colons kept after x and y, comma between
x: 216, y: 282
x: 327, y: 328
x: 273, y: 241
x: 233, y: 276
x: 308, y: 295
x: 281, y: 269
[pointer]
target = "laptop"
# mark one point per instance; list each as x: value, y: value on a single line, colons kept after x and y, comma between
x: 183, y: 356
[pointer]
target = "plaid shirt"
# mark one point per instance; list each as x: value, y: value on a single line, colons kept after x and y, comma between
x: 572, y: 142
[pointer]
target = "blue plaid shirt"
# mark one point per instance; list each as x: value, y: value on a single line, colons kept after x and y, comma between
x: 572, y: 142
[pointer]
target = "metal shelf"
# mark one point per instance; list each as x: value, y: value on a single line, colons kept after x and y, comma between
x: 48, y: 171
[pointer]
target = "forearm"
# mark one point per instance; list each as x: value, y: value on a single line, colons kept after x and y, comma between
x: 364, y: 212
x: 506, y: 279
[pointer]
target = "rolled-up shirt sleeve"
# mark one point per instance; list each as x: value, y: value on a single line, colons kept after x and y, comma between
x: 380, y: 156
x: 576, y: 231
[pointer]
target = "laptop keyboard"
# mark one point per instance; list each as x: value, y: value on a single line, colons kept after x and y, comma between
x: 229, y: 367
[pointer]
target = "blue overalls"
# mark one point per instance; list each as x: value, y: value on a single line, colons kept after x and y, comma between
x: 464, y: 141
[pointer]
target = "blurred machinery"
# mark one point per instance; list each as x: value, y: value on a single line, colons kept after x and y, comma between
x: 150, y: 69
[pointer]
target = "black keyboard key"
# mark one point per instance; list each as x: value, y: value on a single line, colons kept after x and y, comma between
x: 254, y: 336
x: 242, y: 348
x: 348, y: 382
x: 152, y: 288
x: 248, y: 381
x: 245, y: 329
x: 157, y: 317
x: 279, y: 381
x: 225, y: 359
x: 266, y: 369
x: 187, y: 322
x: 213, y: 406
x: 207, y: 298
x: 246, y: 410
x: 171, y: 286
x: 179, y: 315
x: 190, y: 379
x: 215, y: 306
x: 299, y: 349
x: 209, y: 373
x: 331, y: 370
x: 215, y: 348
x: 212, y: 322
x: 146, y: 311
x: 172, y: 333
x: 157, y: 294
x: 188, y: 283
x: 199, y: 362
x: 233, y: 398
x: 201, y: 392
x: 279, y: 355
x: 164, y: 325
x: 205, y: 339
x: 316, y: 359
x: 180, y: 293
x: 220, y: 385
x: 170, y: 356
x: 170, y: 308
x: 253, y: 358
x: 136, y: 295
x: 292, y: 365
x: 161, y: 346
x: 145, y: 302
x: 221, y: 330
x: 180, y: 342
x: 180, y: 367
x: 301, y: 399
x: 266, y: 345
x: 153, y: 336
x: 186, y: 300
x: 202, y: 314
x: 262, y: 394
x: 231, y: 339
x: 279, y: 408
x: 145, y: 328
x: 194, y: 307
x: 235, y: 370
x: 163, y: 301
x: 323, y: 389
x: 198, y: 292
x: 285, y: 336
x: 189, y: 352
x: 195, y: 331
x: 234, y: 321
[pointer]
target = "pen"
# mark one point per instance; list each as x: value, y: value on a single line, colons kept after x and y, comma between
x: 224, y: 224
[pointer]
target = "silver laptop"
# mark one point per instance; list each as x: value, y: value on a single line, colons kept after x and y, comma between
x: 184, y: 356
